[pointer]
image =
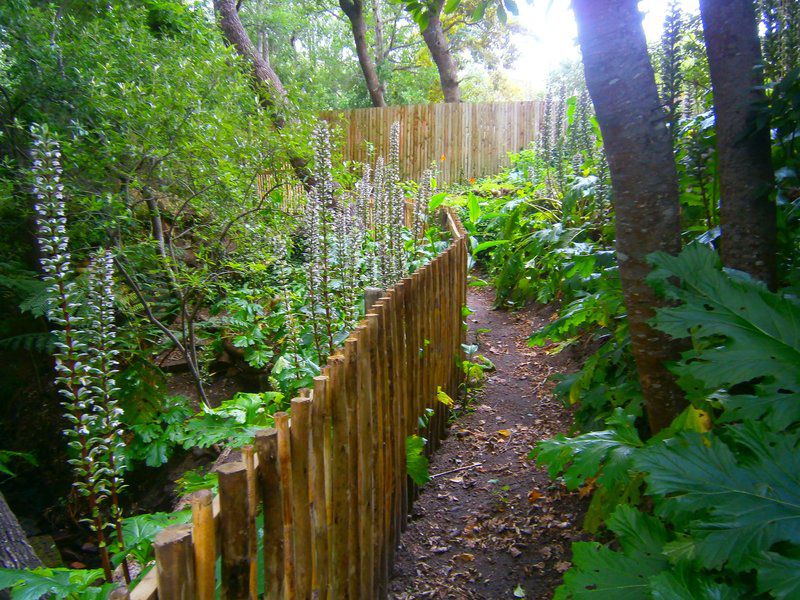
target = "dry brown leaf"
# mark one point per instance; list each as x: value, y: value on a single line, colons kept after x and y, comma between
x: 465, y: 557
x: 534, y: 495
x: 562, y: 566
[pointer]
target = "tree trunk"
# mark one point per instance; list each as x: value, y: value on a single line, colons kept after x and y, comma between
x: 620, y: 80
x: 747, y: 214
x: 270, y: 88
x: 354, y: 9
x: 267, y: 84
x: 440, y: 53
x: 15, y: 551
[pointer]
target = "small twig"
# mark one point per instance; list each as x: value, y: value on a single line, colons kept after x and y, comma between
x: 456, y: 470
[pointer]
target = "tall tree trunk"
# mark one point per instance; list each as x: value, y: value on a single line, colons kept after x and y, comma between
x: 15, y: 551
x: 620, y: 80
x: 354, y: 9
x: 747, y: 213
x: 267, y: 84
x: 437, y: 44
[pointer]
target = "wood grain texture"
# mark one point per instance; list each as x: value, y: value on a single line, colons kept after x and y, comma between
x: 463, y: 141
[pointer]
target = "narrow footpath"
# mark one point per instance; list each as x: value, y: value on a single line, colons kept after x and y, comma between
x: 500, y: 528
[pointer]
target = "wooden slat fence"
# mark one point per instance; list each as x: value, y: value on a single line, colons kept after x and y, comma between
x: 462, y: 141
x: 330, y: 483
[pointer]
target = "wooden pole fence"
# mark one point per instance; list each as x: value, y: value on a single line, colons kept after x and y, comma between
x: 460, y: 140
x: 329, y: 482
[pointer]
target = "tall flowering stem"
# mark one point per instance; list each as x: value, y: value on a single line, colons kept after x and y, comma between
x: 421, y: 203
x: 103, y: 362
x: 319, y: 224
x: 85, y: 361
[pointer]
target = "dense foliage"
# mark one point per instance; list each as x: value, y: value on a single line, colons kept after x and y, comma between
x: 705, y: 508
x: 173, y: 237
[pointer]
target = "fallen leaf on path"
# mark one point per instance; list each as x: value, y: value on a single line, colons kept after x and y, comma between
x: 465, y: 557
x: 534, y: 495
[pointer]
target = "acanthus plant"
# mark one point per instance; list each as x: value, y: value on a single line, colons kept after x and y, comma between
x: 85, y: 359
x: 356, y: 238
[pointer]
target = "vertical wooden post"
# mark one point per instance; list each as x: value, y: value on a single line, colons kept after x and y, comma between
x: 371, y: 296
x: 271, y: 494
x: 285, y: 474
x: 235, y: 574
x: 340, y: 510
x: 365, y: 497
x: 252, y: 511
x: 205, y: 545
x: 175, y: 562
x: 299, y: 434
x: 351, y: 349
x: 373, y: 322
x: 388, y: 430
x: 320, y: 435
x: 401, y: 378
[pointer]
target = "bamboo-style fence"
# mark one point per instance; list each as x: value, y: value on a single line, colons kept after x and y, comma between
x: 328, y: 485
x: 461, y: 140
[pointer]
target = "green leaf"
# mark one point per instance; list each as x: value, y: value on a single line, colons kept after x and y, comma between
x: 479, y: 11
x: 686, y: 583
x: 583, y: 456
x: 143, y: 528
x: 444, y: 398
x: 451, y: 6
x: 490, y: 244
x: 519, y: 592
x: 600, y: 573
x: 158, y: 452
x: 54, y: 583
x: 416, y: 461
x: 760, y: 332
x: 572, y: 103
x: 778, y: 575
x: 474, y: 208
x: 737, y: 509
x: 638, y: 533
x: 501, y: 14
x: 436, y: 201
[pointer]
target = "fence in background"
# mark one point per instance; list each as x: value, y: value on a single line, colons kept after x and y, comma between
x: 463, y: 140
x: 329, y: 486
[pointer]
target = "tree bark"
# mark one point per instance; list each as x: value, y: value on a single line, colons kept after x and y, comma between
x: 644, y: 179
x: 439, y: 48
x: 354, y: 9
x: 266, y: 82
x: 15, y: 551
x: 269, y: 86
x: 747, y: 213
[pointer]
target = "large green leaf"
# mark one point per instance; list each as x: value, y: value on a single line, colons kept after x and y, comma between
x: 738, y: 505
x: 54, y: 583
x: 779, y: 575
x: 583, y: 456
x: 742, y: 331
x: 685, y: 583
x: 599, y: 572
x: 416, y: 461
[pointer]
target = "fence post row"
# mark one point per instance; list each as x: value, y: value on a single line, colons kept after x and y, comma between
x: 331, y: 483
x: 464, y: 140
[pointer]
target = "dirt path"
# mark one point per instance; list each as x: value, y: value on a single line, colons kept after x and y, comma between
x: 483, y: 531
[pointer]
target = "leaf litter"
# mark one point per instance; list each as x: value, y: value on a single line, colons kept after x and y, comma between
x: 491, y: 525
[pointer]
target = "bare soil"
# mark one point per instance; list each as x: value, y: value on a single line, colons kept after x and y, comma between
x: 484, y: 530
